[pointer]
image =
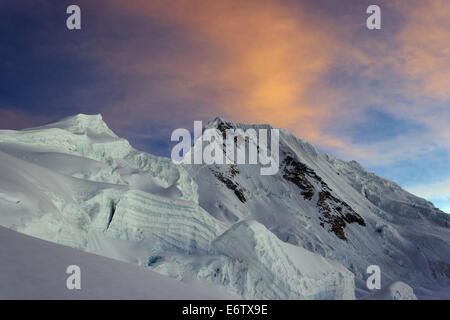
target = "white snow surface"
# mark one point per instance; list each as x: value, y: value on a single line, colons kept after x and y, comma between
x: 308, y: 232
x: 396, y: 291
x: 31, y: 268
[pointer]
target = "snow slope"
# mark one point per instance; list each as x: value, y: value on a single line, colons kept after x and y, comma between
x: 308, y: 232
x: 396, y: 291
x: 35, y: 269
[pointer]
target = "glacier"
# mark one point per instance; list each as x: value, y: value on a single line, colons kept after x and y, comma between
x: 308, y: 232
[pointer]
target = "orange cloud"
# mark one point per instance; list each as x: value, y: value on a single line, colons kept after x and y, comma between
x: 266, y: 64
x: 424, y: 55
x: 267, y: 61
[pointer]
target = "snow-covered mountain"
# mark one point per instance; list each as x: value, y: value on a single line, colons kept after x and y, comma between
x: 308, y: 232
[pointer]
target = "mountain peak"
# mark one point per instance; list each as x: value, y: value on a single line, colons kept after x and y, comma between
x: 81, y: 124
x: 220, y: 122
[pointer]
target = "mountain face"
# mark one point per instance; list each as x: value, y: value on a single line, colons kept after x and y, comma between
x: 308, y: 232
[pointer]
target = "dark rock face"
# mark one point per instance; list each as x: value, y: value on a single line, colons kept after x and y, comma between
x: 297, y: 173
x: 233, y: 169
x: 227, y: 180
x: 335, y: 213
x: 222, y: 127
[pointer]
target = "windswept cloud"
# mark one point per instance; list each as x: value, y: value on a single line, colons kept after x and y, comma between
x: 252, y: 61
x: 266, y: 61
x: 424, y: 55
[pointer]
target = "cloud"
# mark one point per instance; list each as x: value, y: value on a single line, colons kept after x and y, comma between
x: 439, y: 190
x: 439, y: 193
x: 424, y: 54
x: 403, y: 73
x: 253, y: 61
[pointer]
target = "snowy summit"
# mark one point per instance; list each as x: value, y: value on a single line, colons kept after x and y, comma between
x: 308, y: 232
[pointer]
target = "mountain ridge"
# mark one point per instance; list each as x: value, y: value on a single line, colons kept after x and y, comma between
x: 132, y: 206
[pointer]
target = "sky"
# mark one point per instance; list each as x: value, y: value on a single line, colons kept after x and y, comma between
x: 380, y: 97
